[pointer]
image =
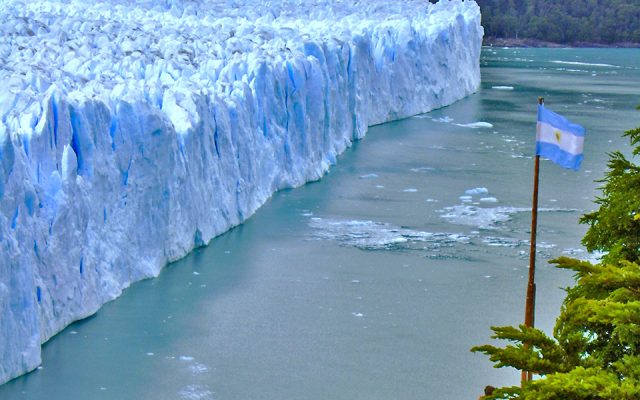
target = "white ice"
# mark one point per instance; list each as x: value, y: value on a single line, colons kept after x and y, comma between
x: 584, y: 63
x: 133, y: 131
x: 369, y: 176
x: 372, y: 235
x: 196, y: 392
x: 479, y: 217
x: 476, y: 125
x: 478, y: 190
x: 488, y: 217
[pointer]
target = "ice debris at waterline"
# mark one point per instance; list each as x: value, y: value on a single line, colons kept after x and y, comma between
x: 133, y: 131
x: 371, y: 235
x: 381, y: 236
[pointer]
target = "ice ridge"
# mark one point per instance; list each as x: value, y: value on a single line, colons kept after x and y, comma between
x: 133, y: 131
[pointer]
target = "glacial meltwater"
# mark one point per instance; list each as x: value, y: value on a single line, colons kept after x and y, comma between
x: 374, y: 282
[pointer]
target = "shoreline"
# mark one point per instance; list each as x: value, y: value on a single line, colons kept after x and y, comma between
x: 526, y: 42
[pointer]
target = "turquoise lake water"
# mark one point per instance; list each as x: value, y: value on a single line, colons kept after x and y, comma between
x: 374, y: 282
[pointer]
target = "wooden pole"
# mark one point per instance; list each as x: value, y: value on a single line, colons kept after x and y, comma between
x: 529, y: 313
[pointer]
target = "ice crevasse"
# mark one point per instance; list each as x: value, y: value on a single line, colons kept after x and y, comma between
x: 133, y: 131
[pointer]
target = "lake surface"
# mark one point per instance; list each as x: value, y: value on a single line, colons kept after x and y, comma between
x: 374, y: 282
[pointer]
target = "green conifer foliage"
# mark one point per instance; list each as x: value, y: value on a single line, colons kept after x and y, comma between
x: 615, y: 227
x: 595, y: 349
x: 568, y: 21
x: 594, y: 353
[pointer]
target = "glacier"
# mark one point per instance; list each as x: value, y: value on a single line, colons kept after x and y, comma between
x: 132, y: 132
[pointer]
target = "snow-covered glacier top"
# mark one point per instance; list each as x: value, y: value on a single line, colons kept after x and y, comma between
x: 136, y: 49
x: 133, y: 131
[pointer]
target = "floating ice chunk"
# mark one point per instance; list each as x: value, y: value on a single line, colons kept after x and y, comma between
x: 573, y: 251
x: 483, y: 218
x: 445, y: 119
x: 370, y: 235
x: 357, y: 314
x: 586, y: 64
x: 502, y: 87
x: 466, y: 199
x: 478, y: 190
x: 196, y: 392
x: 476, y: 125
x: 410, y: 190
x: 186, y: 358
x: 422, y: 169
x: 487, y: 218
x: 494, y: 241
x: 198, y: 368
x: 369, y: 176
x: 488, y: 200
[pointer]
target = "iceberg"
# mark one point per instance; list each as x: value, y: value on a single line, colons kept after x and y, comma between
x: 133, y: 131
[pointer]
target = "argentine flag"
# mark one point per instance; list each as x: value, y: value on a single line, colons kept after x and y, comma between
x: 559, y: 139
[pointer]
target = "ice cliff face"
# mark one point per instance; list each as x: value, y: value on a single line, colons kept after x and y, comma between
x: 133, y: 131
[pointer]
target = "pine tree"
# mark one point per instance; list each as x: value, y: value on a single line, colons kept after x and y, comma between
x: 595, y: 350
x: 594, y: 353
x: 615, y: 227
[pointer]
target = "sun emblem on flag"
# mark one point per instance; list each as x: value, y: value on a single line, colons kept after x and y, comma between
x: 558, y: 135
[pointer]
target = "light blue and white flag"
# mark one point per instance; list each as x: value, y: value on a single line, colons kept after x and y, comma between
x: 559, y: 139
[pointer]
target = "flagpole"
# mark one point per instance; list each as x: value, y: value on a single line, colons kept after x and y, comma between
x: 529, y: 313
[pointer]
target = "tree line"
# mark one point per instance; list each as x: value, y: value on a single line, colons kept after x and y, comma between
x: 568, y: 21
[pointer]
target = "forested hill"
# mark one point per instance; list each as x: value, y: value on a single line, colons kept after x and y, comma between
x: 567, y: 21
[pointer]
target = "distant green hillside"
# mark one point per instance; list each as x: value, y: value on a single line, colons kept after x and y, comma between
x: 563, y: 21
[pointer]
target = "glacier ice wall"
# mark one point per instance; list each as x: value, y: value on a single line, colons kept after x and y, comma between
x: 133, y: 131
